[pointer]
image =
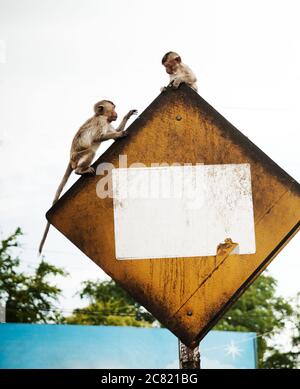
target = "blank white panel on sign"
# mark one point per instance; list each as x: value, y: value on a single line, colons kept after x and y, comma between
x: 182, y: 211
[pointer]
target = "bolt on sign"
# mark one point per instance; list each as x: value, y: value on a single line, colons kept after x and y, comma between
x: 184, y: 213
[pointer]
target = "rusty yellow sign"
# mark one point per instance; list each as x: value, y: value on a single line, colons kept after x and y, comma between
x: 187, y: 294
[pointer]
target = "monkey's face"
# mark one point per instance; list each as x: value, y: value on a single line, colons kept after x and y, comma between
x: 172, y: 64
x: 111, y: 113
x: 106, y: 108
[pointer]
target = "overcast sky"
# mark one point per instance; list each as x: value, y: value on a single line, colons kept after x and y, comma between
x: 58, y: 57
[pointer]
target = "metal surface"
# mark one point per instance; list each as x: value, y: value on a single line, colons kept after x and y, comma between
x: 188, y: 295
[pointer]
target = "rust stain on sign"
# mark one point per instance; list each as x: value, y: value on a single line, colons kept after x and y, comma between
x: 172, y: 289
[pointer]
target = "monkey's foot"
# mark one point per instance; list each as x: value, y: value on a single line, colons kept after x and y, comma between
x: 89, y: 171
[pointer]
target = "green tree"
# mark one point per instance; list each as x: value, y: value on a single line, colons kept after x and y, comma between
x: 109, y: 304
x: 29, y: 298
x: 259, y: 310
x: 290, y: 359
x: 296, y: 336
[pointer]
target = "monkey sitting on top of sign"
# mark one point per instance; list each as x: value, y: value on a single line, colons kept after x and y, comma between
x: 178, y: 71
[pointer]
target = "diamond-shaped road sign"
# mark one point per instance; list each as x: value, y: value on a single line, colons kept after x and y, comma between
x: 186, y: 292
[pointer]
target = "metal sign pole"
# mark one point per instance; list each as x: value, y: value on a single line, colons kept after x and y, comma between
x: 189, y: 358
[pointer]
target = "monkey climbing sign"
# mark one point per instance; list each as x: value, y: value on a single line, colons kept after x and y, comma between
x: 187, y: 292
x: 86, y: 141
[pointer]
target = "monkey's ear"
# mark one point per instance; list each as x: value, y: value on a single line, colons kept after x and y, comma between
x: 178, y: 59
x: 99, y: 109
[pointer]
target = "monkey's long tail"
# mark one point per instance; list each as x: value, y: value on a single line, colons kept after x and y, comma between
x: 57, y: 194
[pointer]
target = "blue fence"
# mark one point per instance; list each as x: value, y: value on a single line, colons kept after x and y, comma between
x: 74, y: 346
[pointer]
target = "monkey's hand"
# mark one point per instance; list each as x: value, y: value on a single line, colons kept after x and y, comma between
x: 163, y: 89
x: 176, y: 83
x: 122, y: 134
x: 130, y: 113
